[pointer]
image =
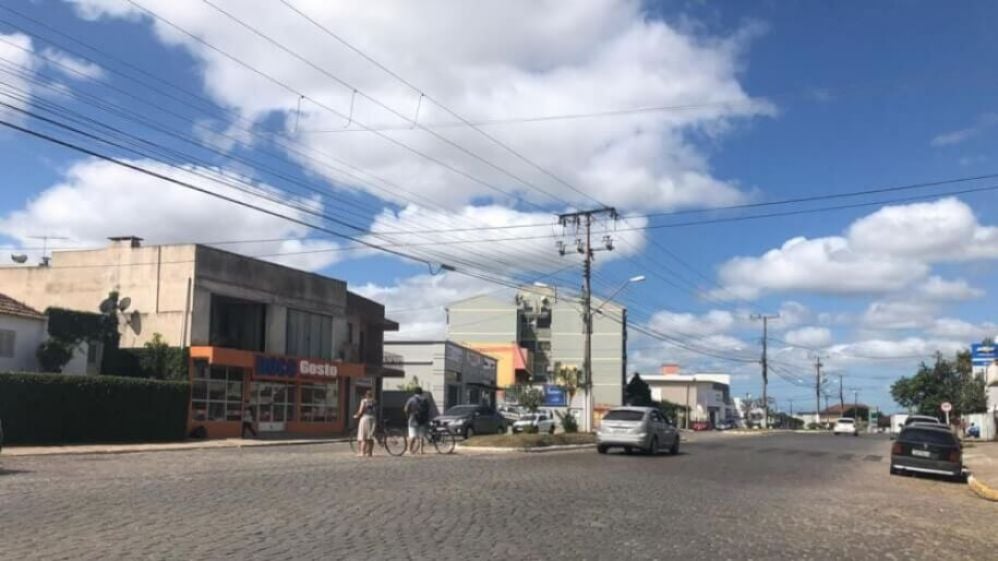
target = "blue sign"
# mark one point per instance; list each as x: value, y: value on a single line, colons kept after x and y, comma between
x: 555, y: 396
x: 981, y: 354
x: 275, y: 366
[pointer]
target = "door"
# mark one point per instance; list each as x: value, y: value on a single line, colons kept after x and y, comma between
x: 274, y: 404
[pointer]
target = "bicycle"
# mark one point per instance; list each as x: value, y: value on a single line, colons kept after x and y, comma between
x: 442, y: 439
x: 392, y: 440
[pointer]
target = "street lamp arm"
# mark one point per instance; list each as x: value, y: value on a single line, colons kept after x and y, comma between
x: 630, y: 281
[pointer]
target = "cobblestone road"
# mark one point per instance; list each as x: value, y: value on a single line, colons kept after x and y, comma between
x: 762, y: 497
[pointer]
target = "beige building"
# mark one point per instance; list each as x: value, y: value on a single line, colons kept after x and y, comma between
x: 706, y: 395
x: 299, y: 346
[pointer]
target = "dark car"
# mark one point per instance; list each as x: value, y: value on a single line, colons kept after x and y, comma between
x: 469, y: 420
x: 928, y: 449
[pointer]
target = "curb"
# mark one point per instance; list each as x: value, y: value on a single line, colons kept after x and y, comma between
x: 981, y: 489
x: 175, y: 448
x: 534, y: 450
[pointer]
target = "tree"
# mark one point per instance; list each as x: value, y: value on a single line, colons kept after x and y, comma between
x: 53, y: 354
x: 637, y: 392
x: 570, y: 378
x: 945, y: 380
x: 531, y: 399
x: 161, y: 361
x: 411, y: 385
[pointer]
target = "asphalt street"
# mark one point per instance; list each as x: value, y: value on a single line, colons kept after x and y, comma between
x: 773, y: 497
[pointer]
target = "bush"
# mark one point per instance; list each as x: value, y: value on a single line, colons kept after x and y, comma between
x: 53, y: 354
x: 568, y: 422
x: 54, y: 408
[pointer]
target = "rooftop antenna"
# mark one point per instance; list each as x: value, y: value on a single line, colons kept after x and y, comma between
x: 45, y: 247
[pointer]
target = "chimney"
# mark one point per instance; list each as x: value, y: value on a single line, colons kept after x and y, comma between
x: 126, y: 241
x: 670, y: 369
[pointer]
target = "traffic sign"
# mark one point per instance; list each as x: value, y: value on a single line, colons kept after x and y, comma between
x: 946, y: 407
x: 983, y: 354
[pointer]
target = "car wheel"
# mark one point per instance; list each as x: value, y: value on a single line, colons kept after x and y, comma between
x: 894, y: 470
x: 628, y: 450
x: 674, y: 449
x: 551, y: 430
x: 468, y: 433
x: 601, y: 449
x: 653, y: 446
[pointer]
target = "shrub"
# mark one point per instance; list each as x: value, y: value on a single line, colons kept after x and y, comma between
x: 54, y: 408
x: 568, y: 422
x: 53, y: 354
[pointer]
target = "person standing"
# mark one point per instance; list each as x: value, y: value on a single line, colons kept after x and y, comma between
x: 247, y: 420
x: 417, y: 409
x: 367, y: 413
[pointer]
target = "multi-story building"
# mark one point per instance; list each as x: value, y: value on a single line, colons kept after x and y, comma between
x: 540, y: 330
x: 297, y: 346
x: 451, y: 374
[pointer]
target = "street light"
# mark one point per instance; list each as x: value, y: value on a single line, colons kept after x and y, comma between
x: 587, y: 320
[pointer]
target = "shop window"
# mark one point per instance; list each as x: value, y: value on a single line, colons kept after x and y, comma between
x: 216, y: 393
x: 319, y: 403
x: 275, y: 402
x: 309, y: 335
x: 237, y: 324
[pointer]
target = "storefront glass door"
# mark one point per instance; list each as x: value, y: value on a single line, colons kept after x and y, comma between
x: 275, y: 404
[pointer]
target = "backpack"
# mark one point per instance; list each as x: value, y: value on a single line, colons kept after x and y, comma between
x: 422, y: 411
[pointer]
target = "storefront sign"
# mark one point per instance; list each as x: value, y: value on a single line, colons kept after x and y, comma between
x: 280, y: 367
x: 275, y: 366
x: 555, y: 396
x: 322, y: 369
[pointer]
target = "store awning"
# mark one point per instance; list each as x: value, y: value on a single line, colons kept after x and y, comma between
x: 520, y: 359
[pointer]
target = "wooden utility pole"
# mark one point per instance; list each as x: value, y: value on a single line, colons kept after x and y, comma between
x: 765, y: 363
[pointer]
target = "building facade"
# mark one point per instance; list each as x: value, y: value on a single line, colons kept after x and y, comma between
x: 297, y: 346
x: 22, y: 330
x: 540, y: 330
x: 451, y: 374
x: 706, y: 395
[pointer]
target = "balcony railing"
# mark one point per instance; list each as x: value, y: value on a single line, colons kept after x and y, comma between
x: 393, y: 359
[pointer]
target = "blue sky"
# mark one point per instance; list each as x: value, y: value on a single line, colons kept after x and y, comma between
x: 788, y: 100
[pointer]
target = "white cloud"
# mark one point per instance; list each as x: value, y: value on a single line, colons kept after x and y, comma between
x: 809, y: 336
x: 899, y: 314
x: 16, y: 49
x: 419, y: 303
x: 886, y: 251
x: 953, y: 328
x: 500, y: 60
x: 939, y: 289
x: 982, y: 123
x: 96, y: 200
x: 909, y: 348
x: 511, y: 250
x: 73, y: 67
x: 714, y: 322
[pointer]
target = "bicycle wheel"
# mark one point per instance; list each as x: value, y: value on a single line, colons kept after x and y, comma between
x: 353, y: 445
x: 443, y: 442
x: 394, y: 442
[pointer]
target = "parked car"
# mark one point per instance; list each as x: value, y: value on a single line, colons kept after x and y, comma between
x: 845, y: 425
x: 917, y: 419
x: 636, y: 428
x: 927, y: 448
x: 542, y: 421
x: 725, y: 425
x: 469, y: 420
x: 511, y: 413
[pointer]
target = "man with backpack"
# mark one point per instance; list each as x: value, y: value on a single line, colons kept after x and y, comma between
x: 417, y: 409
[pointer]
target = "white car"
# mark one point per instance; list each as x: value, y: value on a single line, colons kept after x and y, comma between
x: 845, y: 425
x: 542, y: 421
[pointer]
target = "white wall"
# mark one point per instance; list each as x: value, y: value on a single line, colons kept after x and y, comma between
x: 28, y: 334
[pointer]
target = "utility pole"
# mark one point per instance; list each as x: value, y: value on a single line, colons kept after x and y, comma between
x: 817, y: 388
x: 855, y: 403
x: 765, y: 364
x: 583, y: 220
x: 842, y: 401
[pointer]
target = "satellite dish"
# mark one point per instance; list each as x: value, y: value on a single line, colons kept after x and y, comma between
x: 18, y: 258
x: 124, y: 303
x: 107, y: 306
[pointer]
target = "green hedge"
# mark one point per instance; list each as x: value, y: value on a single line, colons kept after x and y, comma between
x: 56, y: 408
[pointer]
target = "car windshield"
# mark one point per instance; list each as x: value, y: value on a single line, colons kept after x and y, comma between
x: 928, y: 436
x: 845, y: 421
x: 529, y: 418
x: 912, y: 420
x: 459, y: 410
x: 624, y: 415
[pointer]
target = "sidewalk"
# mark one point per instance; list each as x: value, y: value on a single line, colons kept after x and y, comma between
x: 981, y: 460
x: 71, y: 449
